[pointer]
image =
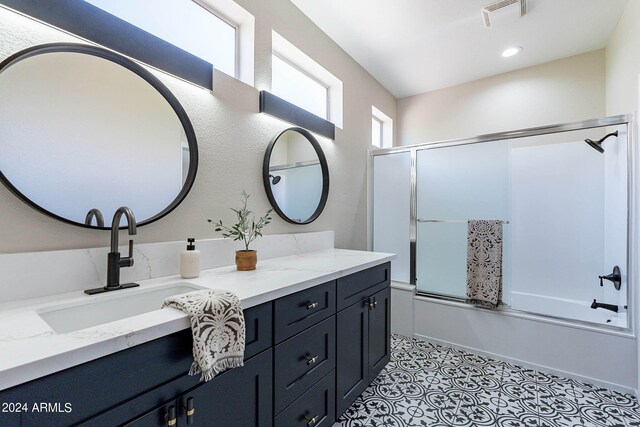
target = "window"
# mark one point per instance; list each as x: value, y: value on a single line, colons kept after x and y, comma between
x: 381, y: 129
x: 297, y: 78
x: 376, y: 132
x: 189, y: 25
x: 291, y: 84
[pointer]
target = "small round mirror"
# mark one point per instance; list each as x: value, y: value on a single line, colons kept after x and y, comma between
x: 296, y: 176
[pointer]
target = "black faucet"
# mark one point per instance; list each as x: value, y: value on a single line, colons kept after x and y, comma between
x: 94, y: 213
x: 611, y: 307
x: 114, y: 261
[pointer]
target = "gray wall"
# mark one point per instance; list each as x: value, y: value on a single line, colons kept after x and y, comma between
x: 232, y: 137
x: 561, y: 91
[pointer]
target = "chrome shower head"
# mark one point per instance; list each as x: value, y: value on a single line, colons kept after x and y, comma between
x: 597, y: 145
x: 275, y: 179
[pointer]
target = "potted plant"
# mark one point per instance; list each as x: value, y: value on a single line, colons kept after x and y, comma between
x: 247, y: 229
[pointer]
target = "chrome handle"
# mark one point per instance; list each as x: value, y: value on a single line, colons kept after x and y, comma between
x: 375, y: 302
x: 312, y: 360
x: 311, y: 305
x: 371, y: 304
x: 170, y: 416
x: 311, y: 421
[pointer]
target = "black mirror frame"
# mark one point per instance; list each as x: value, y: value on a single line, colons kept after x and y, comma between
x: 145, y: 75
x: 323, y: 166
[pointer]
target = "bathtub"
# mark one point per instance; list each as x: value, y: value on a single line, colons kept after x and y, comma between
x: 566, y: 309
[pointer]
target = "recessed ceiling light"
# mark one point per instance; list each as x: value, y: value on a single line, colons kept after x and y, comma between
x: 510, y: 51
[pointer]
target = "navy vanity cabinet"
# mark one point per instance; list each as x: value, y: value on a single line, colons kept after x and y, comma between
x: 139, y: 383
x: 363, y: 332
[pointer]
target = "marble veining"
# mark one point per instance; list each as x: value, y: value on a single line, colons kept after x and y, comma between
x: 30, y: 349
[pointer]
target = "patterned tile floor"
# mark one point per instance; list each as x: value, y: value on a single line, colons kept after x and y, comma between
x: 431, y: 385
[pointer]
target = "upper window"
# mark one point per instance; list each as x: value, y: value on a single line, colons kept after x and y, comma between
x: 376, y: 132
x: 293, y: 85
x: 381, y: 129
x: 183, y: 23
x: 300, y: 80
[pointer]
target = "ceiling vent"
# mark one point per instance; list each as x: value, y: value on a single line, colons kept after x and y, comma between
x: 503, y: 11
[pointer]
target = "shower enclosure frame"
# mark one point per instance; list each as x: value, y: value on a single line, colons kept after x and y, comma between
x: 628, y: 120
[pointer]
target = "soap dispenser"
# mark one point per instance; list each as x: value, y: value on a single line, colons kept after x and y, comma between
x: 190, y: 260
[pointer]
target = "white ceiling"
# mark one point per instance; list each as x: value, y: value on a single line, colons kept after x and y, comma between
x: 416, y: 46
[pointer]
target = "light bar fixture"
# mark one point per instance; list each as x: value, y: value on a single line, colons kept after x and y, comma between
x: 284, y: 110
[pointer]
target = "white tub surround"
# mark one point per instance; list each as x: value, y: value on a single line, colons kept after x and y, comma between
x: 30, y: 349
x: 569, y: 309
x: 591, y: 354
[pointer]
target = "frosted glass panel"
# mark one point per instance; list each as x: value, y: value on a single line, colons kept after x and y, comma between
x: 391, y: 198
x: 458, y: 184
x: 442, y: 255
x: 464, y: 182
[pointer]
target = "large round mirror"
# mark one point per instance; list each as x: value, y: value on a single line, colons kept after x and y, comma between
x: 84, y: 131
x: 296, y: 176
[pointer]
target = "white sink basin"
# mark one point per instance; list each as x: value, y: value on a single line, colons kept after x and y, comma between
x: 110, y: 307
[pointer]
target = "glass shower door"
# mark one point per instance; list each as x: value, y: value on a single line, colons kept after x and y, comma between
x: 456, y: 184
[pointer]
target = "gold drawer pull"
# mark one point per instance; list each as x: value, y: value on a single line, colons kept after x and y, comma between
x: 311, y: 421
x: 170, y: 416
x: 189, y: 409
x: 312, y: 360
x: 312, y: 305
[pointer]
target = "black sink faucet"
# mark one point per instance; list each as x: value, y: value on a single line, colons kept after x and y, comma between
x: 114, y: 261
x: 611, y: 307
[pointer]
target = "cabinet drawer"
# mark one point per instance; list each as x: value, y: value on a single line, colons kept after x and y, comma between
x: 295, y: 313
x: 357, y: 286
x: 317, y: 404
x: 302, y: 360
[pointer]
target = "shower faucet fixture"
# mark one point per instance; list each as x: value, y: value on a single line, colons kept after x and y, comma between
x: 597, y: 145
x: 609, y: 307
x: 615, y: 277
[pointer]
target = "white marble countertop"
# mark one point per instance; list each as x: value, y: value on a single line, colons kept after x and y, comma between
x: 30, y: 348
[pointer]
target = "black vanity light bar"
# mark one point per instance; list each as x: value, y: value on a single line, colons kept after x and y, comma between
x: 284, y: 110
x: 95, y: 25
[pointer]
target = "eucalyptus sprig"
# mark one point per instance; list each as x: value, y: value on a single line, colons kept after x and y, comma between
x: 247, y: 229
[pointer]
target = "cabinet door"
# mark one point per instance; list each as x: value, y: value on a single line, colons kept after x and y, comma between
x: 352, y: 359
x: 239, y: 397
x: 379, y: 332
